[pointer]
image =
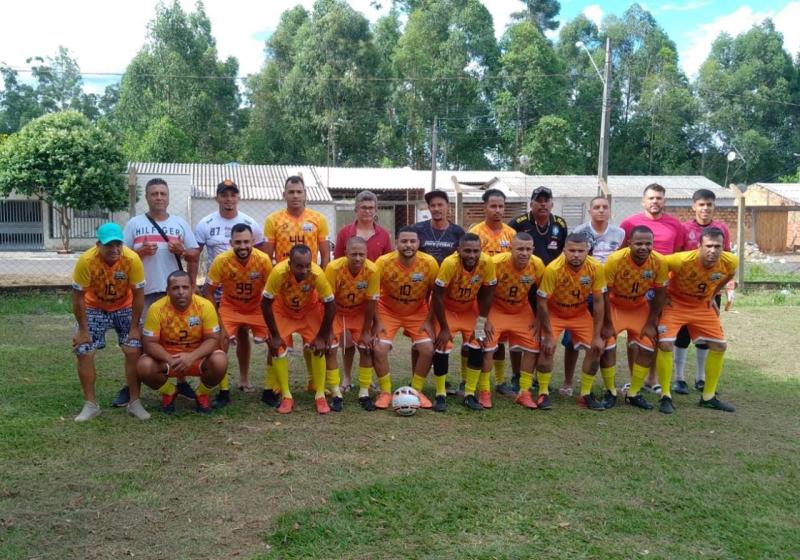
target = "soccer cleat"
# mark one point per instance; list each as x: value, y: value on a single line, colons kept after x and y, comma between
x: 383, y: 401
x: 366, y: 403
x: 565, y: 391
x: 680, y: 387
x: 286, y: 406
x: 506, y: 390
x: 515, y: 383
x: 716, y: 404
x: 337, y: 404
x: 609, y: 400
x: 639, y: 402
x: 168, y: 403
x: 666, y: 406
x: 543, y: 402
x: 441, y: 404
x: 424, y: 402
x: 322, y: 405
x: 700, y: 384
x: 588, y: 401
x: 221, y: 400
x: 462, y: 387
x: 185, y: 390
x: 122, y: 397
x: 525, y: 400
x: 90, y: 410
x: 270, y: 398
x: 449, y: 389
x: 485, y: 398
x: 472, y: 403
x: 202, y: 404
x: 136, y: 410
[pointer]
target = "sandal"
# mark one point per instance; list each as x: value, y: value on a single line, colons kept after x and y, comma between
x: 346, y: 388
x: 247, y: 388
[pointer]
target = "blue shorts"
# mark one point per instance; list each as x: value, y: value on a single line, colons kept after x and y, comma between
x: 99, y: 321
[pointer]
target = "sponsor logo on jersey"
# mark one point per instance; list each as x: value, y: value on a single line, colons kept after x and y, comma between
x: 715, y: 276
x: 305, y: 288
x: 417, y: 277
x: 194, y: 321
x: 362, y: 285
x: 119, y: 275
x: 556, y: 229
x: 552, y: 246
x: 662, y: 329
x: 525, y: 279
x: 586, y: 280
x: 504, y: 243
x: 308, y: 226
x: 475, y: 279
x: 647, y: 274
x: 255, y: 275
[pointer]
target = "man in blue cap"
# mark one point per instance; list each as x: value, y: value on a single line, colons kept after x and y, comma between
x: 107, y: 292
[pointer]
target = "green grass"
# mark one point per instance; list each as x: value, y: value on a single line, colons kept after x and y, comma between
x: 755, y: 272
x: 506, y: 483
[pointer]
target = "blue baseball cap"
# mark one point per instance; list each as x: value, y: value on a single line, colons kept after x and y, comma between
x: 109, y: 232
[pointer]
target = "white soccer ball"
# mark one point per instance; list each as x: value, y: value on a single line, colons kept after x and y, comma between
x: 405, y: 401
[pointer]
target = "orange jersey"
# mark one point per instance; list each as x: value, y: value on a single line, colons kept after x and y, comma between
x: 691, y: 282
x: 352, y: 293
x: 567, y: 290
x: 293, y: 297
x: 181, y: 331
x: 462, y: 285
x: 242, y: 283
x: 286, y: 231
x: 494, y: 242
x: 628, y: 282
x: 108, y: 287
x: 404, y: 290
x: 513, y: 285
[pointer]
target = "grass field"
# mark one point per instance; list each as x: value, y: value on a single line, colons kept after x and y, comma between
x: 505, y: 483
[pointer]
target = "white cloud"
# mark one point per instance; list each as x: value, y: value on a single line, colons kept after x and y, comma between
x: 594, y: 12
x: 687, y: 7
x: 737, y: 22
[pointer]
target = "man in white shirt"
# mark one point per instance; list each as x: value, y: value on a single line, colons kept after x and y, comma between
x: 604, y: 238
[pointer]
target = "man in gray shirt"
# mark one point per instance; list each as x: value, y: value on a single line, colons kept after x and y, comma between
x: 604, y: 238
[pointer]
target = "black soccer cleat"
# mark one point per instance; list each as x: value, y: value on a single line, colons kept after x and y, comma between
x: 367, y: 404
x: 185, y: 390
x: 122, y: 398
x: 269, y: 398
x: 716, y: 404
x: 609, y: 400
x: 639, y: 402
x: 505, y: 390
x: 221, y: 400
x: 337, y: 404
x: 700, y: 384
x: 543, y: 402
x: 680, y: 387
x: 472, y: 403
x: 588, y: 401
x: 440, y: 404
x: 666, y: 406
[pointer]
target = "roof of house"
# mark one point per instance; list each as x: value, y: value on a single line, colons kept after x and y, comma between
x: 790, y: 191
x: 621, y: 186
x: 256, y: 182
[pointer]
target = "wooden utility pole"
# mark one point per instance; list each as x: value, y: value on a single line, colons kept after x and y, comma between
x: 605, y: 127
x: 434, y: 150
x: 740, y: 241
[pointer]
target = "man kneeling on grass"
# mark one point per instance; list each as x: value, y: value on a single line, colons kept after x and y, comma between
x: 181, y: 337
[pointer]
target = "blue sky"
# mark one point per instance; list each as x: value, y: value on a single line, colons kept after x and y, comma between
x: 104, y: 35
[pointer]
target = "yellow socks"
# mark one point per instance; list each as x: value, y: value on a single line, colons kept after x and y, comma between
x: 525, y: 381
x: 484, y: 381
x: 417, y: 382
x: 224, y: 385
x: 364, y: 381
x: 202, y: 389
x: 608, y: 374
x: 318, y: 375
x: 167, y: 389
x: 499, y: 371
x: 544, y: 381
x: 471, y: 381
x: 332, y: 381
x: 270, y: 379
x: 385, y: 383
x: 713, y: 373
x: 280, y: 366
x: 664, y: 372
x: 441, y: 387
x: 638, y: 375
x: 586, y: 384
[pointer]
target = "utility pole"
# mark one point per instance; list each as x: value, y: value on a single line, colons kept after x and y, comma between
x: 434, y: 151
x: 605, y: 125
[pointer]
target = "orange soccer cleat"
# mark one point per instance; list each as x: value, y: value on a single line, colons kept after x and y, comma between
x: 286, y: 407
x: 485, y: 398
x: 322, y: 405
x: 424, y: 402
x: 383, y: 401
x: 524, y: 399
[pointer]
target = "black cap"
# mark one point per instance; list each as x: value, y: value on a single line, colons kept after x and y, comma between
x: 541, y: 191
x: 227, y: 184
x: 436, y: 194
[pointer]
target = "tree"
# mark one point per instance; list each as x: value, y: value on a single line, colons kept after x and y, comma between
x: 66, y: 161
x: 541, y: 13
x: 549, y: 148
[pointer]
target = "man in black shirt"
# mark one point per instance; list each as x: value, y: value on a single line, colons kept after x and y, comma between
x: 438, y: 236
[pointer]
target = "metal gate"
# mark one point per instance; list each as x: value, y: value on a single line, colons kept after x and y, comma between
x: 21, y: 225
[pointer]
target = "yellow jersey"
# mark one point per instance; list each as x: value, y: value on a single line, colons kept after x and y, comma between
x: 404, y: 290
x: 462, y: 285
x: 242, y: 283
x: 108, y: 287
x: 513, y: 285
x: 494, y: 242
x: 691, y: 282
x: 352, y: 293
x: 629, y: 282
x: 296, y: 297
x: 567, y: 290
x: 286, y: 231
x: 181, y: 331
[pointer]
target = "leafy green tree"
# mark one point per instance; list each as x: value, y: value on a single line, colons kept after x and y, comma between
x: 66, y: 161
x: 549, y: 148
x: 541, y: 13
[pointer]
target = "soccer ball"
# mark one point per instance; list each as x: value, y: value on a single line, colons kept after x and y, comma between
x: 405, y: 401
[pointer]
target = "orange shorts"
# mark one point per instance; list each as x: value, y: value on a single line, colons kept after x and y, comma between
x: 353, y: 325
x: 411, y: 325
x: 700, y: 319
x: 630, y: 320
x: 233, y: 320
x: 515, y: 328
x: 580, y: 326
x: 306, y: 325
x: 464, y: 322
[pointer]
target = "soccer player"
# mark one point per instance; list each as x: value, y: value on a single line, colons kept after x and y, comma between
x: 407, y: 277
x: 181, y: 337
x: 438, y: 236
x: 495, y: 238
x: 512, y: 314
x: 563, y: 304
x: 214, y: 233
x: 696, y: 277
x: 703, y: 203
x: 356, y: 288
x: 161, y: 240
x: 107, y: 291
x: 462, y: 298
x: 630, y: 273
x: 240, y: 273
x: 296, y: 294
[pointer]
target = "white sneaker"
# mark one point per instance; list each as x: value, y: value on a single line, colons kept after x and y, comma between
x: 90, y: 410
x: 565, y: 391
x: 136, y: 410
